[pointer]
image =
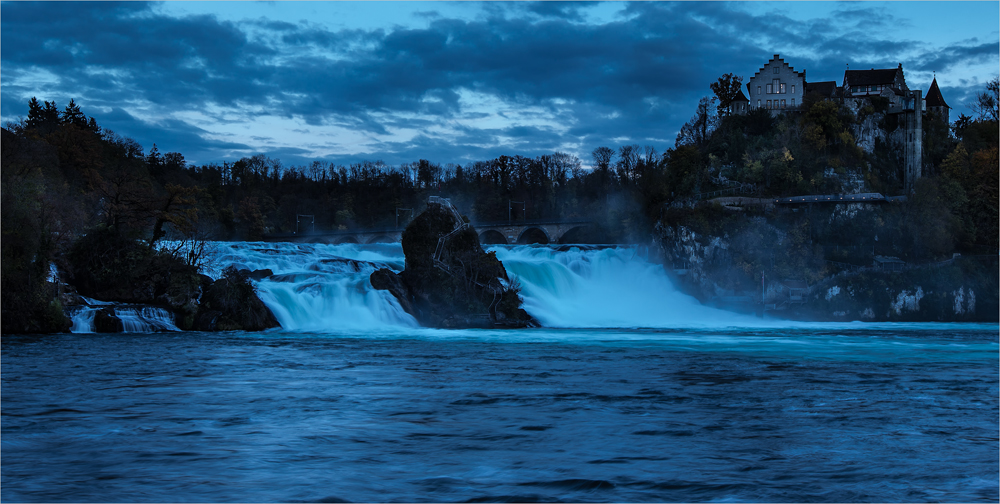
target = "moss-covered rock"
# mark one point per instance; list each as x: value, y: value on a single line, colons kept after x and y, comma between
x: 449, y: 280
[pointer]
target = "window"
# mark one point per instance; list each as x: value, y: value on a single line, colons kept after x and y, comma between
x: 777, y: 69
x: 758, y: 103
x: 768, y: 103
x: 769, y: 89
x: 793, y: 102
x: 782, y: 85
x: 782, y: 103
x: 793, y: 88
x: 758, y: 89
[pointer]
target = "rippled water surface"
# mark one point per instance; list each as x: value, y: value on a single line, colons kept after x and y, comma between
x: 850, y: 413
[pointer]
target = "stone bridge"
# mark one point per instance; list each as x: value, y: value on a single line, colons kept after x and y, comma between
x: 490, y: 233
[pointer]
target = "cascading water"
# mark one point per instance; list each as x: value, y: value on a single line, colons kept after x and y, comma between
x: 83, y: 319
x: 317, y: 287
x: 607, y: 287
x: 145, y: 319
x: 135, y: 319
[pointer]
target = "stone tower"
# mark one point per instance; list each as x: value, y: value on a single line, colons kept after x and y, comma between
x: 935, y: 102
x: 911, y: 120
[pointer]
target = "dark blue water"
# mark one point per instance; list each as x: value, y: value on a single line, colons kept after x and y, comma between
x: 836, y: 414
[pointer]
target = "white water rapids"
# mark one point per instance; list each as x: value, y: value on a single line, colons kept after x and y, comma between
x: 317, y: 287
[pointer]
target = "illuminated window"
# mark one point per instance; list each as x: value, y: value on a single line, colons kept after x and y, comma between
x: 782, y: 87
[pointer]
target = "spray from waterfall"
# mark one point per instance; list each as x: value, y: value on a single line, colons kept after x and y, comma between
x: 317, y: 287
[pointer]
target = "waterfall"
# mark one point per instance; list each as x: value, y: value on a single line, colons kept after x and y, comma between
x: 83, y: 319
x: 604, y: 287
x: 319, y: 287
x: 145, y: 319
x: 135, y: 319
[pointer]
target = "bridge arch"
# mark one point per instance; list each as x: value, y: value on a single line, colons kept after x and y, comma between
x: 346, y: 239
x: 533, y: 235
x: 576, y: 234
x: 381, y: 238
x: 492, y: 237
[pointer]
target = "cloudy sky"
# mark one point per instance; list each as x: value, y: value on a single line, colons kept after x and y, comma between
x: 451, y: 82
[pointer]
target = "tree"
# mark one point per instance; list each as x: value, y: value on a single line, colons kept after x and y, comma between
x: 42, y: 117
x: 726, y: 89
x: 987, y: 104
x: 697, y: 131
x: 179, y: 208
x: 73, y: 116
x: 602, y: 163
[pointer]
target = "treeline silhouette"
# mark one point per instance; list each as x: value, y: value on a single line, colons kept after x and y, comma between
x: 64, y: 176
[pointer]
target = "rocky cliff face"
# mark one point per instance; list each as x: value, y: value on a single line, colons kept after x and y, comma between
x: 721, y: 270
x: 449, y: 280
x: 961, y: 290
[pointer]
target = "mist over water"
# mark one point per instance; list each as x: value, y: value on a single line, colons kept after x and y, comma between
x: 607, y: 287
x: 319, y: 287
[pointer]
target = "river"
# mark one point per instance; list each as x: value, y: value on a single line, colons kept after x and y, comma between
x: 632, y: 392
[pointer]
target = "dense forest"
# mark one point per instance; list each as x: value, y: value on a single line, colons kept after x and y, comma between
x: 101, y: 207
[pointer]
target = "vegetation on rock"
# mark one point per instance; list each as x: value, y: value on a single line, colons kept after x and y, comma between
x: 456, y: 284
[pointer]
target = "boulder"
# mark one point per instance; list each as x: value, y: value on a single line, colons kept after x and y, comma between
x: 106, y: 321
x: 231, y: 304
x: 449, y: 280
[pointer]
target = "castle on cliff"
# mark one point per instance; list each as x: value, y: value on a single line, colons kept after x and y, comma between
x: 780, y: 88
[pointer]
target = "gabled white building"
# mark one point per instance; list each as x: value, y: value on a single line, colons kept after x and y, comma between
x: 776, y: 87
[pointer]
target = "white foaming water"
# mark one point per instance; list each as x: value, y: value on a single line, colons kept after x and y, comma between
x: 609, y: 287
x: 146, y: 319
x: 317, y: 287
x: 134, y: 319
x: 83, y: 320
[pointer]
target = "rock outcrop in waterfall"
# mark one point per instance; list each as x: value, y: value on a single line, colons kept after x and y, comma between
x: 449, y: 280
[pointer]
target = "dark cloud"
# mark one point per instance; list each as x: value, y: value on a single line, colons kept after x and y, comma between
x: 639, y: 76
x: 171, y: 136
x: 957, y: 55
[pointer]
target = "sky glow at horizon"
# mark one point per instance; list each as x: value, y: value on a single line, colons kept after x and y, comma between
x: 452, y: 82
